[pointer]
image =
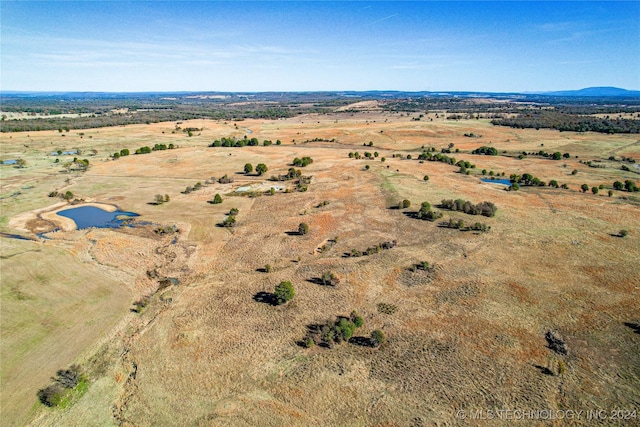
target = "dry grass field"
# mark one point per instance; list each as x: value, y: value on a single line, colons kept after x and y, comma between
x: 467, y: 335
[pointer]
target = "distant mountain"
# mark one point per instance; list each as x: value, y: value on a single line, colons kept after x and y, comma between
x: 595, y: 92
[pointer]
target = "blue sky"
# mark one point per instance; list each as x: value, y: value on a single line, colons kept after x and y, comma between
x: 318, y: 45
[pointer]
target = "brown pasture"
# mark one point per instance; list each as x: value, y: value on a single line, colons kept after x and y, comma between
x: 469, y: 335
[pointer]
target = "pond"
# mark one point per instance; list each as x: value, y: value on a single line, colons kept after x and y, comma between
x: 9, y: 162
x: 90, y: 216
x: 497, y: 181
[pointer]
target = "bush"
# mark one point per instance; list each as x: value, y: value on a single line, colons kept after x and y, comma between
x: 329, y: 279
x: 225, y: 180
x: 234, y: 211
x: 51, y: 395
x: 302, y: 162
x: 556, y: 343
x: 378, y: 338
x: 623, y: 233
x: 284, y: 292
x: 387, y: 308
x: 303, y: 228
x: 584, y: 188
x: 217, y: 199
x: 248, y: 168
x: 261, y: 169
x: 229, y: 222
x: 425, y: 178
x: 404, y: 204
x: 267, y: 268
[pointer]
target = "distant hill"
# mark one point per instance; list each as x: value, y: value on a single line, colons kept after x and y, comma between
x: 595, y: 92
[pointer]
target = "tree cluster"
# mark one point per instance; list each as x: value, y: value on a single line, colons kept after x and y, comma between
x: 65, y: 380
x: 305, y: 161
x: 487, y: 151
x: 235, y: 142
x: 373, y: 249
x: 333, y: 332
x: 628, y: 185
x: 484, y: 208
x: 569, y: 122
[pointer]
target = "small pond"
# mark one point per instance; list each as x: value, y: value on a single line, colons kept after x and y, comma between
x: 497, y: 181
x: 9, y: 162
x: 90, y: 216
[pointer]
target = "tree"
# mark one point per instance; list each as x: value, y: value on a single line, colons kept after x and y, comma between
x: 556, y: 156
x: 378, y: 338
x: 159, y: 199
x: 426, y: 177
x: 284, y: 292
x: 217, y: 199
x: 594, y: 190
x: 68, y: 195
x: 303, y: 228
x: 404, y: 204
x: 623, y: 233
x: 618, y: 185
x: 248, y: 168
x: 584, y: 188
x: 261, y: 169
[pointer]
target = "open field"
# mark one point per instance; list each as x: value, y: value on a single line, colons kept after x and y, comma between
x: 467, y: 335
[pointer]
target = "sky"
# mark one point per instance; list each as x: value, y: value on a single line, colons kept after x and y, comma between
x: 246, y: 46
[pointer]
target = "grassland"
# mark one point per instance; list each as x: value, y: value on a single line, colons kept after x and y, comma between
x: 468, y: 335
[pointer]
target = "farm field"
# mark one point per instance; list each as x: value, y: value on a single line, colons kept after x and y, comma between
x: 465, y: 334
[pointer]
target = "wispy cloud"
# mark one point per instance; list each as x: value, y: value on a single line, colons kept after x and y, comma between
x: 382, y: 19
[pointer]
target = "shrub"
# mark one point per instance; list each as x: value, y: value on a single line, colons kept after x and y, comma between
x: 302, y: 162
x: 489, y: 151
x: 267, y: 268
x: 623, y: 233
x: 51, y: 395
x: 248, y: 168
x: 234, y: 211
x: 229, y: 221
x: 594, y: 190
x: 378, y: 338
x: 387, y: 308
x: 284, y: 292
x: 225, y: 180
x: 159, y: 199
x: 425, y: 178
x: 329, y: 279
x: 404, y: 204
x: 357, y: 320
x: 303, y: 228
x: 584, y: 188
x: 261, y: 169
x: 217, y: 199
x: 556, y: 343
